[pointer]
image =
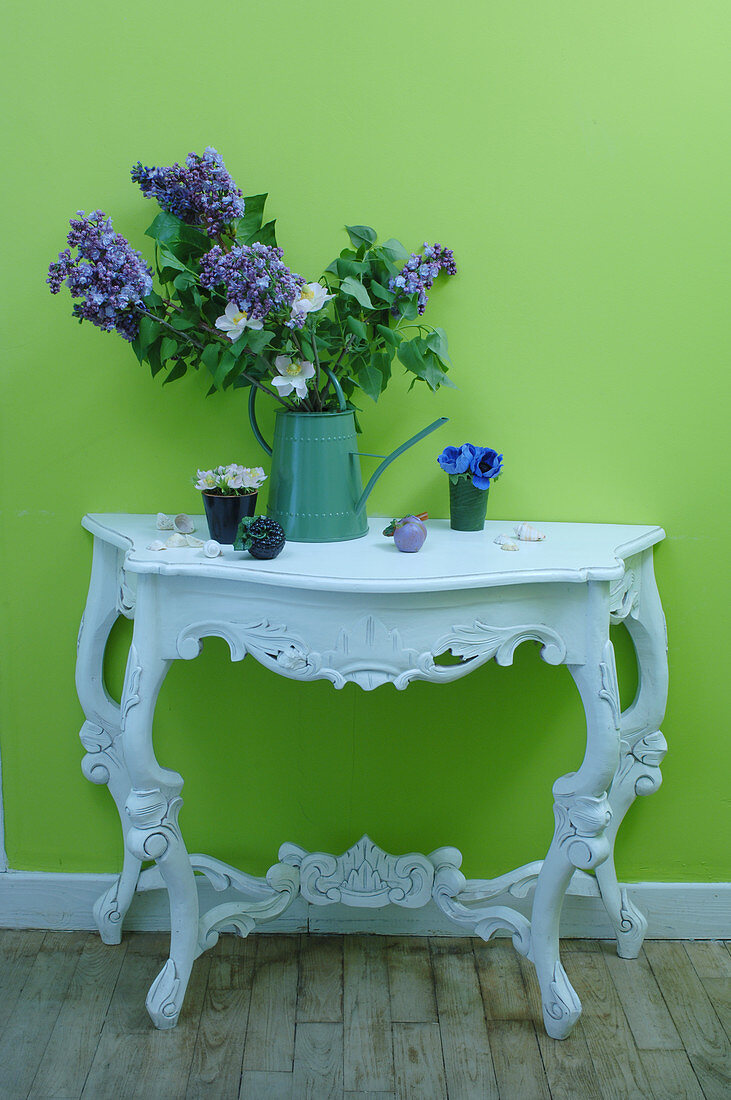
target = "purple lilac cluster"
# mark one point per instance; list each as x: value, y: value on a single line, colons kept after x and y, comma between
x: 254, y: 277
x: 200, y: 193
x: 419, y: 272
x: 107, y: 273
x: 479, y: 464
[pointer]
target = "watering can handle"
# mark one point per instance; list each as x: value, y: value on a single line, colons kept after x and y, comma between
x: 395, y: 454
x: 252, y: 403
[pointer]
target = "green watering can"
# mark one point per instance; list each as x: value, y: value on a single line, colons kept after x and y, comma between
x: 315, y: 487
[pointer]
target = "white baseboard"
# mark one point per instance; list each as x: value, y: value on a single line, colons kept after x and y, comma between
x: 674, y: 910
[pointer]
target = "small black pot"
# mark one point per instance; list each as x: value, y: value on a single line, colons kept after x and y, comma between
x: 225, y: 513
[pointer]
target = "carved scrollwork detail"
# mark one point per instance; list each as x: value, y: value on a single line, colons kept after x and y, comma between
x: 609, y: 691
x: 369, y: 653
x: 456, y: 897
x: 131, y: 689
x: 624, y: 594
x: 102, y: 758
x: 581, y: 821
x: 153, y: 823
x: 164, y: 998
x: 126, y: 593
x: 640, y: 763
x: 273, y: 896
x: 365, y: 875
x: 562, y: 1005
x: 273, y: 645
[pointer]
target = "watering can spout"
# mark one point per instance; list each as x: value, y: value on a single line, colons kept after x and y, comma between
x: 395, y: 454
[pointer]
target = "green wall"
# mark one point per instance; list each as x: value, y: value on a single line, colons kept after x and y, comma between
x: 573, y: 156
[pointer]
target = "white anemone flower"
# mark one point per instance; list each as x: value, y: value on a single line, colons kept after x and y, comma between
x: 206, y: 480
x: 293, y: 375
x: 312, y: 297
x: 235, y: 320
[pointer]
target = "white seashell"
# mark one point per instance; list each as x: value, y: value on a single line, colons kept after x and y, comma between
x: 184, y: 524
x: 191, y: 540
x: 500, y: 540
x: 212, y: 549
x: 508, y: 544
x: 165, y: 523
x: 175, y: 540
x: 156, y: 544
x: 526, y: 532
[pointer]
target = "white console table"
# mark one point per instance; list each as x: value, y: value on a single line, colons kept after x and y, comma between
x: 361, y: 611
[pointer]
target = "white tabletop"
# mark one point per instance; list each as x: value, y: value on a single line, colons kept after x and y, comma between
x: 448, y: 560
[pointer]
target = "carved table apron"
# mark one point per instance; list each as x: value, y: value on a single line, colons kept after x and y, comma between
x: 362, y: 611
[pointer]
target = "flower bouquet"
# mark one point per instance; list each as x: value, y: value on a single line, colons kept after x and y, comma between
x: 221, y: 297
x: 229, y: 494
x: 470, y: 469
x: 223, y: 300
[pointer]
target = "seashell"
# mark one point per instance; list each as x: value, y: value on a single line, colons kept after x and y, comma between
x: 175, y: 540
x: 165, y: 523
x: 506, y: 543
x: 212, y: 549
x: 526, y: 532
x: 191, y: 540
x: 156, y: 544
x: 184, y: 524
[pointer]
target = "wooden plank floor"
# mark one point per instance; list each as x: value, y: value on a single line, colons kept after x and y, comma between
x: 320, y: 1017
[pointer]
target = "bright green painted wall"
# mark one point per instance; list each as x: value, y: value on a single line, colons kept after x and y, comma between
x: 572, y: 154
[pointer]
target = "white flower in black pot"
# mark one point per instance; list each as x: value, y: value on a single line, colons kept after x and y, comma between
x: 229, y: 494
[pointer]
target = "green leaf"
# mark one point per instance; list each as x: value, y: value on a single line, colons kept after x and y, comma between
x: 210, y: 356
x: 165, y: 227
x: 394, y: 250
x: 370, y: 380
x: 381, y: 292
x: 137, y: 349
x: 355, y: 289
x: 168, y: 348
x: 357, y: 327
x: 177, y: 371
x: 412, y: 356
x: 170, y: 260
x: 252, y: 219
x: 181, y: 323
x: 184, y: 281
x: 437, y: 341
x: 390, y: 335
x: 257, y: 340
x: 149, y: 332
x: 407, y: 308
x: 168, y: 229
x: 361, y: 235
x: 265, y: 235
x: 152, y: 355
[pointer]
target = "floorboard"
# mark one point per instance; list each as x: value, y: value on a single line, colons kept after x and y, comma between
x: 290, y: 1017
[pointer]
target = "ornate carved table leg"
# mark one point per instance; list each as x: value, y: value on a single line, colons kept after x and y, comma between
x: 152, y: 809
x: 636, y: 603
x: 582, y: 813
x: 100, y: 735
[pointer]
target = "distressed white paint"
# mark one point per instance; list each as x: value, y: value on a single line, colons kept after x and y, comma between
x: 361, y: 612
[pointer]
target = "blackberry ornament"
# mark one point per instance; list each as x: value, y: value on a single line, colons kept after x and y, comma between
x: 261, y: 536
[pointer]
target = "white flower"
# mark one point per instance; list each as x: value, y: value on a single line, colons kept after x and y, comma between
x: 235, y: 320
x: 312, y: 297
x: 206, y: 480
x: 294, y: 375
x: 253, y: 477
